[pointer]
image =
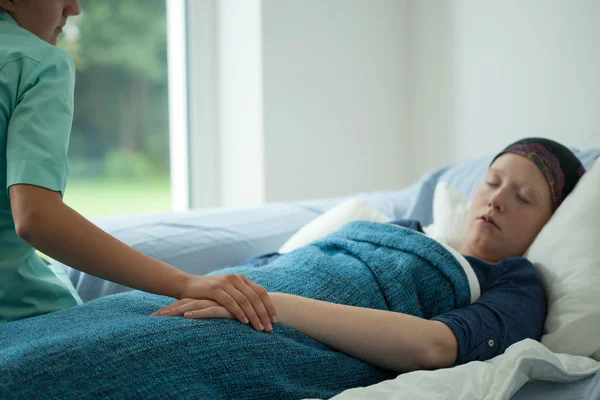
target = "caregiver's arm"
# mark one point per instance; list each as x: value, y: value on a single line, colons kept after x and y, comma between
x: 389, y: 340
x: 47, y: 224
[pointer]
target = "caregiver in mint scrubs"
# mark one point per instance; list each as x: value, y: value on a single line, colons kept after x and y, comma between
x: 36, y: 114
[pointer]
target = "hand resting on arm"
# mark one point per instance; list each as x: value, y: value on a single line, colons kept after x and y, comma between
x: 389, y: 340
x: 50, y: 226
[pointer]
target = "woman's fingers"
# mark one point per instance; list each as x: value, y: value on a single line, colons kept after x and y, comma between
x: 256, y: 302
x: 210, y: 312
x: 197, y: 309
x: 190, y: 305
x: 239, y: 305
x: 244, y: 299
x: 264, y: 297
x: 166, y: 310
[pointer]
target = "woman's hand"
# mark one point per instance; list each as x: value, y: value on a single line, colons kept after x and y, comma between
x: 239, y: 296
x: 201, y: 309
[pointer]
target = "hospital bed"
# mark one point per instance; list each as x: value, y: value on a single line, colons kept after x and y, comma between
x: 200, y: 241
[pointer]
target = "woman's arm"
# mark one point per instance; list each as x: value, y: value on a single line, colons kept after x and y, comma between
x: 60, y: 232
x: 389, y: 340
x: 52, y: 227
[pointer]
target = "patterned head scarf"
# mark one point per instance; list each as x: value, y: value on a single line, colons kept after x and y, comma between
x: 561, y: 168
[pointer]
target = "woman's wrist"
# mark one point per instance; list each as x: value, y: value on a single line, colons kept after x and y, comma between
x: 284, y: 304
x: 181, y: 281
x: 278, y: 300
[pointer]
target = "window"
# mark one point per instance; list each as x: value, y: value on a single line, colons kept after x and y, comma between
x: 119, y: 147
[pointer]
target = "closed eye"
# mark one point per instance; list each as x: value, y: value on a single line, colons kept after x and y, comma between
x: 493, y: 184
x: 523, y: 200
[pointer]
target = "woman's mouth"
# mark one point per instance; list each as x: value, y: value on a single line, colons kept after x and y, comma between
x: 488, y: 221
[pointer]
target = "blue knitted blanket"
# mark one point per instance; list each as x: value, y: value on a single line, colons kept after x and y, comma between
x: 111, y: 348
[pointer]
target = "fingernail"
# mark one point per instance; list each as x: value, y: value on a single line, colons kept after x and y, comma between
x: 260, y: 327
x: 274, y: 318
x: 269, y: 327
x: 245, y: 320
x: 187, y: 314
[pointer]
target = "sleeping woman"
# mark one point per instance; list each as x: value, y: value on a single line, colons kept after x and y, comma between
x: 358, y: 307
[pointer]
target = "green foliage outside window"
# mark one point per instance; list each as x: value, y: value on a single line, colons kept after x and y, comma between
x: 120, y: 133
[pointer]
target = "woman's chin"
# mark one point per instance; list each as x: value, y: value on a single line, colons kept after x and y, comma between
x: 482, y: 247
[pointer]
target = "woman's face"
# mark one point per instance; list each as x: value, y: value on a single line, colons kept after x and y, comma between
x: 509, y: 209
x: 44, y: 18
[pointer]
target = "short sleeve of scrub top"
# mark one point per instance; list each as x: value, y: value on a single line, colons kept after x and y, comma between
x: 39, y: 129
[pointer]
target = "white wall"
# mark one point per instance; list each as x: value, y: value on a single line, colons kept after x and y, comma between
x: 322, y: 98
x: 487, y: 73
x: 311, y: 99
x: 335, y: 96
x: 431, y: 72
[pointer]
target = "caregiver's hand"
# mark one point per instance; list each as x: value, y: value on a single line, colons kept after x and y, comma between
x: 203, y: 309
x: 244, y: 299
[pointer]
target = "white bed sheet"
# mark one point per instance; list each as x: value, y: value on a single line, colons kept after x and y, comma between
x: 495, y: 379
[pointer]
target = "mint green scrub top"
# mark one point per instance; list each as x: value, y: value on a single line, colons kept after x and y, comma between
x: 36, y: 113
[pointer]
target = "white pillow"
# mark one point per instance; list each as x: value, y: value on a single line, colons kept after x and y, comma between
x: 449, y: 216
x: 350, y: 210
x: 566, y: 254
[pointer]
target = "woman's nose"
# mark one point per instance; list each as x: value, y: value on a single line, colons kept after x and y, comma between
x: 498, y: 200
x: 74, y: 8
